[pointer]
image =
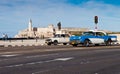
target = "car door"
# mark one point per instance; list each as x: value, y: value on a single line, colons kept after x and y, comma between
x: 67, y: 38
x: 92, y: 37
x: 62, y: 38
x: 99, y: 37
x: 95, y: 38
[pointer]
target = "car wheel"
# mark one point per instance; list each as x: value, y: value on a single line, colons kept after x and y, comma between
x: 86, y: 43
x: 96, y: 44
x: 108, y: 42
x: 49, y: 44
x: 64, y: 43
x: 74, y: 45
x: 55, y: 42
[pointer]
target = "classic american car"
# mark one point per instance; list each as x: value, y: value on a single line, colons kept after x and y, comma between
x: 92, y: 37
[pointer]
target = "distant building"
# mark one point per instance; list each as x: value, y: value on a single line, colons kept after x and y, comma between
x: 34, y: 32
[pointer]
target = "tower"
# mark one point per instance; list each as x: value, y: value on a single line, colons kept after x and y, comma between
x: 30, y: 25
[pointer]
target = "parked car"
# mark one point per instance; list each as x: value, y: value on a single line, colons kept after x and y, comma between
x: 92, y: 37
x: 58, y: 39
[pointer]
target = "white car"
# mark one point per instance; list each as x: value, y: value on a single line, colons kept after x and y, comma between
x: 57, y: 39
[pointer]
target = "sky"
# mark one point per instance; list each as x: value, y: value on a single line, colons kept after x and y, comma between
x: 15, y: 14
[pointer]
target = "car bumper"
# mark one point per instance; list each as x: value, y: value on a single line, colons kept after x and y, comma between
x: 74, y: 42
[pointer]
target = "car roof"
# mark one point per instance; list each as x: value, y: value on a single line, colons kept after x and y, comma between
x: 96, y: 31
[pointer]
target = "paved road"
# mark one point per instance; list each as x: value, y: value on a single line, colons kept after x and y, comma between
x: 60, y: 60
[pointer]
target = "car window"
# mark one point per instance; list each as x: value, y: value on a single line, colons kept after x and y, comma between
x: 57, y: 35
x: 88, y: 33
x: 62, y: 35
x: 100, y: 34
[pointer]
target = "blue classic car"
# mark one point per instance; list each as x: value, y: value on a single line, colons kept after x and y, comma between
x: 92, y: 37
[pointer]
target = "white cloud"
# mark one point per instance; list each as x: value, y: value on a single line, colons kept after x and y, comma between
x: 15, y: 14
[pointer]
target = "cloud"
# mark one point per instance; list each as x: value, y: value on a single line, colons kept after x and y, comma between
x: 15, y: 14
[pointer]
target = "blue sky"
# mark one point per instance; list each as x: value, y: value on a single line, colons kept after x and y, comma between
x: 15, y: 14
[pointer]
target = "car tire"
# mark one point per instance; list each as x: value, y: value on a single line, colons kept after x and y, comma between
x: 48, y: 43
x: 96, y: 44
x: 74, y: 45
x: 55, y: 42
x: 64, y: 43
x: 108, y: 42
x: 86, y: 43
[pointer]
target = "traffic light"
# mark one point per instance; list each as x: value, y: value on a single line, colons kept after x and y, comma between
x: 96, y: 19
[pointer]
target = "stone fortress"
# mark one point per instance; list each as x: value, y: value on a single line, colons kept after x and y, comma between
x: 37, y: 32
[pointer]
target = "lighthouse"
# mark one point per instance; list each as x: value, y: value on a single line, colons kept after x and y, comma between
x: 30, y: 25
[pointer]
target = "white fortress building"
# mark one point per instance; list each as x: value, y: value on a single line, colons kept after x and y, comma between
x: 34, y: 32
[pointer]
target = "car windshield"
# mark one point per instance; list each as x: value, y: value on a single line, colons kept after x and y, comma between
x: 88, y: 33
x: 100, y: 34
x: 57, y: 35
x: 61, y: 35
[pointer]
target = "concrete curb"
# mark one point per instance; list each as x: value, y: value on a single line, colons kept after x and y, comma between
x: 19, y: 43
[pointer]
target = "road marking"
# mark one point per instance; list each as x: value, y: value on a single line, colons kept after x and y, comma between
x: 27, y: 57
x: 63, y: 59
x: 6, y: 52
x: 58, y: 59
x: 40, y: 72
x: 11, y: 55
x: 15, y: 65
x: 6, y: 56
x: 42, y: 55
x: 39, y: 62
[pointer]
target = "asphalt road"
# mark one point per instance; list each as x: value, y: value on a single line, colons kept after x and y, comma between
x: 60, y: 60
